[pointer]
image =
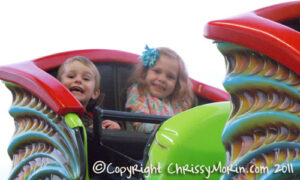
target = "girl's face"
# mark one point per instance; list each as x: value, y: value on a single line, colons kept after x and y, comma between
x: 162, y: 77
x: 81, y: 82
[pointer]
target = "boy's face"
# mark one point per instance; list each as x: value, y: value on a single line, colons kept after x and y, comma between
x: 162, y: 77
x: 80, y: 80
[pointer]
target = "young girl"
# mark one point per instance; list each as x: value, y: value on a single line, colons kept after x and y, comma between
x: 82, y: 78
x: 160, y: 86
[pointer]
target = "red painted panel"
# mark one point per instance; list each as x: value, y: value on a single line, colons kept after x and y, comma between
x: 96, y: 55
x: 43, y: 85
x: 261, y: 30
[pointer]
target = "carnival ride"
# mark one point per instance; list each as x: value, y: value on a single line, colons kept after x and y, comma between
x: 50, y: 140
x: 262, y: 54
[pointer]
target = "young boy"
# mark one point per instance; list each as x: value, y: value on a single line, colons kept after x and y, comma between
x: 82, y: 78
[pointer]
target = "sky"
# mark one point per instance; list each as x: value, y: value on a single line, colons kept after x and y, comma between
x: 31, y: 29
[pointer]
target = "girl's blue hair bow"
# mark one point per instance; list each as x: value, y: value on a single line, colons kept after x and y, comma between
x: 149, y: 57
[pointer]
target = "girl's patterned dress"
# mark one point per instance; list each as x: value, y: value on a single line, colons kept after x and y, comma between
x: 149, y: 105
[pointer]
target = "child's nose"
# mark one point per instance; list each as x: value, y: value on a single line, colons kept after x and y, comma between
x: 78, y: 80
x: 162, y: 78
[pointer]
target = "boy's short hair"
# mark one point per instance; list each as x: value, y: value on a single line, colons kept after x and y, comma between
x: 84, y: 61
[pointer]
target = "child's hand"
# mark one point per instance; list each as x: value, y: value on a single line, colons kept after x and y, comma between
x: 108, y: 124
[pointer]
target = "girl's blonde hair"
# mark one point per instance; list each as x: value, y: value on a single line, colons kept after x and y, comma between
x: 183, y: 92
x: 84, y: 61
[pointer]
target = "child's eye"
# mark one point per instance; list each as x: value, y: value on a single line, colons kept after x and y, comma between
x: 71, y: 76
x: 86, y: 78
x: 156, y: 71
x: 169, y: 76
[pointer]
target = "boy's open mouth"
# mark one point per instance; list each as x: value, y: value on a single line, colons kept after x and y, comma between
x: 76, y: 89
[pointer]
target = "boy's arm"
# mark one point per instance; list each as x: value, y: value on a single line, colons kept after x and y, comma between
x: 109, y: 124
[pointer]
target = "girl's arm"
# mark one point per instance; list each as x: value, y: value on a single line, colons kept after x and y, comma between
x: 137, y: 103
